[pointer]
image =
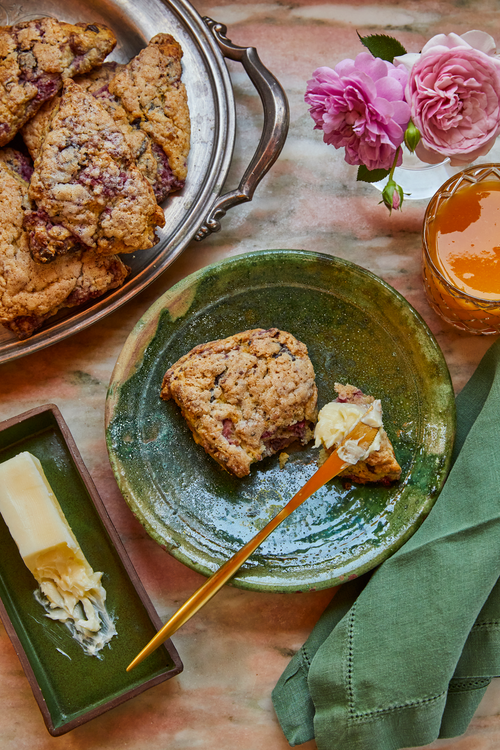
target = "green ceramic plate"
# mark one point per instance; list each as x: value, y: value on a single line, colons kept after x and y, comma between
x: 71, y: 687
x: 358, y: 330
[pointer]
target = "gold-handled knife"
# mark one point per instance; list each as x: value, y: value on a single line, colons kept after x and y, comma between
x: 362, y: 434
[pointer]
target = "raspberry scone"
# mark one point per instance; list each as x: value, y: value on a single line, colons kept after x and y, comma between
x: 36, y: 57
x: 30, y: 292
x: 337, y: 418
x: 151, y: 92
x: 148, y: 156
x: 245, y: 397
x: 88, y: 191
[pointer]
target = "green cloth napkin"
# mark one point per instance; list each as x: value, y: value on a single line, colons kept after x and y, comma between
x: 404, y: 655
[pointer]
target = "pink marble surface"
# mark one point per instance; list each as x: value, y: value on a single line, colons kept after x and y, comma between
x: 235, y: 649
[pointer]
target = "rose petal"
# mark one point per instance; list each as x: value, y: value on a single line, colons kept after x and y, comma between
x: 444, y: 41
x: 480, y: 40
x: 407, y: 60
x: 389, y: 89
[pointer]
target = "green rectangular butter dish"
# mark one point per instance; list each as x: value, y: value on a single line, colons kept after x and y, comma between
x: 70, y: 686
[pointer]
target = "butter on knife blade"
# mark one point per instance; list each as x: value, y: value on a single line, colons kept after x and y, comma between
x: 70, y: 590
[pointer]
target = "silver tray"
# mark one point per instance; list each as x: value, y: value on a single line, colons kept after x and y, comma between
x: 197, y: 210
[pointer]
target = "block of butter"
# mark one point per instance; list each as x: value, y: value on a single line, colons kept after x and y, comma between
x: 71, y: 591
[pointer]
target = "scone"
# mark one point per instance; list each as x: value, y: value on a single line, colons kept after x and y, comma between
x: 245, y: 397
x: 144, y: 150
x: 88, y: 191
x: 139, y: 142
x: 335, y: 421
x: 154, y: 97
x: 153, y: 149
x: 30, y: 293
x: 36, y: 57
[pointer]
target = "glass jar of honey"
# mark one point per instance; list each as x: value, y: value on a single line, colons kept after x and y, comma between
x: 461, y: 250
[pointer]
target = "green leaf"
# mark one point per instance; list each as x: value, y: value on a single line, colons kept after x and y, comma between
x: 373, y: 175
x: 381, y: 45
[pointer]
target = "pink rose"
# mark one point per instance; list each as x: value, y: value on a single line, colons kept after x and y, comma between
x: 454, y: 94
x: 360, y: 106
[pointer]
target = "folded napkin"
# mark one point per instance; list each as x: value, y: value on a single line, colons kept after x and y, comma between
x: 404, y: 655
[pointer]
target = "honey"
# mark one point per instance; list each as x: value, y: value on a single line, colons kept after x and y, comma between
x: 466, y: 239
x: 461, y: 250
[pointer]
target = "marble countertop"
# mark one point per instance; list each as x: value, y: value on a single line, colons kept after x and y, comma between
x: 235, y: 649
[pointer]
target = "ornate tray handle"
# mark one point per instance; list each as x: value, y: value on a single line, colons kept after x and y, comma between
x: 274, y: 132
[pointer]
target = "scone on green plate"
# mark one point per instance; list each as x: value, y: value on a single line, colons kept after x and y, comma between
x: 245, y: 397
x: 337, y: 418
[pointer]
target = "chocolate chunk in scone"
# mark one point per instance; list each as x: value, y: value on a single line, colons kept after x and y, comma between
x: 30, y: 292
x: 88, y: 190
x: 245, y: 397
x: 36, y: 56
